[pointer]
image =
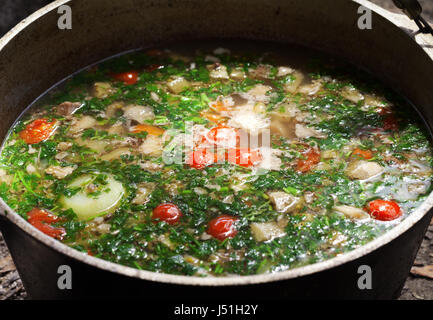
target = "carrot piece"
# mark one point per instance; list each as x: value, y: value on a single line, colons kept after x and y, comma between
x: 219, y: 106
x: 311, y: 159
x: 366, y: 154
x: 212, y: 117
x: 152, y: 130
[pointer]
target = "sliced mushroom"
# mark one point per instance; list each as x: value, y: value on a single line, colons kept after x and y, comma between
x: 292, y: 86
x: 352, y: 212
x: 303, y: 132
x: 259, y: 92
x: 151, y: 146
x: 362, y: 169
x: 283, y: 124
x: 96, y: 145
x: 117, y: 128
x: 116, y: 154
x: 284, y: 202
x: 138, y: 113
x: 284, y: 71
x: 63, y: 146
x: 83, y: 123
x: 311, y: 88
x: 111, y: 110
x: 352, y: 94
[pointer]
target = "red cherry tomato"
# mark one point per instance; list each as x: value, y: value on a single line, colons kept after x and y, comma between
x: 384, y: 210
x: 312, y: 158
x: 223, y: 136
x: 167, y: 212
x: 222, y: 227
x: 244, y: 157
x: 38, y: 131
x: 130, y: 77
x: 201, y: 158
x: 42, y: 221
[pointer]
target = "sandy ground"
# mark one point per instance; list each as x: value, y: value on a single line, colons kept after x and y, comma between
x: 416, y: 287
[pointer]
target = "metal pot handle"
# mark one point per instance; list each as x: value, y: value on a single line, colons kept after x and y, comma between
x: 405, y: 23
x: 413, y: 9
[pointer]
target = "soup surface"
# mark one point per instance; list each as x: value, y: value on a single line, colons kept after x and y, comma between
x: 216, y: 162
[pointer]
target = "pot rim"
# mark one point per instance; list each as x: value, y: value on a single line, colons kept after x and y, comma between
x: 392, y: 234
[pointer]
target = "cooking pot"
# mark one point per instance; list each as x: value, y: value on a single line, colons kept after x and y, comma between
x: 36, y: 55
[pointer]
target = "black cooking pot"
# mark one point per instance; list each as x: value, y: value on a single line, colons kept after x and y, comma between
x: 36, y: 55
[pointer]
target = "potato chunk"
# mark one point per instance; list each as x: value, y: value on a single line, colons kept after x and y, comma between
x: 218, y: 71
x: 178, y: 84
x: 283, y: 202
x: 266, y: 231
x: 102, y: 90
x: 362, y: 169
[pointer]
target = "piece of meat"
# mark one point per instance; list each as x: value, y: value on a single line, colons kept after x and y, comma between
x: 303, y: 131
x: 67, y: 108
x: 59, y: 172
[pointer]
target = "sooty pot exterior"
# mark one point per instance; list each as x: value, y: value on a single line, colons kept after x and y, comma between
x: 37, y: 54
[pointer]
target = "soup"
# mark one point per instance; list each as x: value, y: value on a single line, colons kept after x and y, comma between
x: 217, y: 162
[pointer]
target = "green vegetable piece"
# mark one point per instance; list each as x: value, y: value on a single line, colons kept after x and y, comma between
x: 90, y: 204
